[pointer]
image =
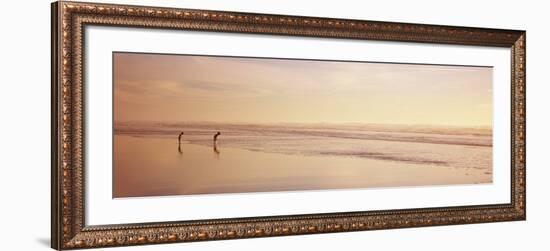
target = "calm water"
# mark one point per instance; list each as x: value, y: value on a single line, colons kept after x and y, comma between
x: 282, y: 157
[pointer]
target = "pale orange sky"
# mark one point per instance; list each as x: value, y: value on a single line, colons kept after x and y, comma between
x: 154, y: 87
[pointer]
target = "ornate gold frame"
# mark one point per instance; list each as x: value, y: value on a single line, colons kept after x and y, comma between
x: 68, y: 228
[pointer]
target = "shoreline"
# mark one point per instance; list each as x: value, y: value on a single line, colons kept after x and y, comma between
x: 147, y: 166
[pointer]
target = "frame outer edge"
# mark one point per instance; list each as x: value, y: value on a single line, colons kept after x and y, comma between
x: 56, y: 225
x: 523, y: 39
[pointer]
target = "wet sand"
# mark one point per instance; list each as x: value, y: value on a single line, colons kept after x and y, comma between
x: 154, y: 166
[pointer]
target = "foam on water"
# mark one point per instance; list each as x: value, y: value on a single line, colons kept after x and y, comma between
x: 438, y: 146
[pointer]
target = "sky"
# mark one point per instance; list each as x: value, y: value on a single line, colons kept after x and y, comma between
x: 184, y: 88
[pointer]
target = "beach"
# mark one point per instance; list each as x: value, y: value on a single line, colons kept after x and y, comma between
x: 148, y: 161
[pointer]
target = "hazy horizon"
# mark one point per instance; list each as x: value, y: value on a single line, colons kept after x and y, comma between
x: 302, y: 123
x: 237, y: 90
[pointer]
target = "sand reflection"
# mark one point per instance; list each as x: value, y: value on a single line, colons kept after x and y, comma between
x: 145, y: 166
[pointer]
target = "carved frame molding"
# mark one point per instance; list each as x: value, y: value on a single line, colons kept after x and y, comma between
x: 68, y: 225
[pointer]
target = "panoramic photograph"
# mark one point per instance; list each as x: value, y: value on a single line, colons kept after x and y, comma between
x: 196, y: 124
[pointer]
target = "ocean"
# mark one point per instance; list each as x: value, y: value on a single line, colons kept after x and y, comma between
x: 149, y: 161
